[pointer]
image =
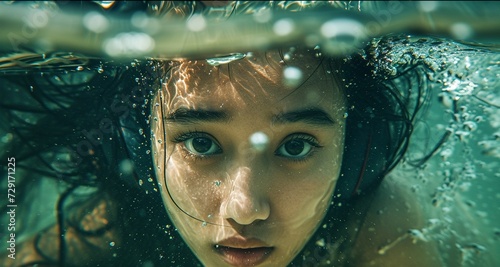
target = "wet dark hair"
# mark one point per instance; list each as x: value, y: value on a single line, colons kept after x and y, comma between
x: 383, y: 104
x: 72, y: 124
x: 89, y: 126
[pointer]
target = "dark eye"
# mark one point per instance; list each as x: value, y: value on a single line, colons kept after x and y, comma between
x: 297, y: 148
x: 201, y: 146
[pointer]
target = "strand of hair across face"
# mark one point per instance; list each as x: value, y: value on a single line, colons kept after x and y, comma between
x: 164, y: 168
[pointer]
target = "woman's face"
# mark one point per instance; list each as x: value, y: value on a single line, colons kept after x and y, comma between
x: 247, y: 164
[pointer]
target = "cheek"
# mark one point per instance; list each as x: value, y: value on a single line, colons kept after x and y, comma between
x: 192, y: 191
x: 303, y: 196
x: 305, y: 202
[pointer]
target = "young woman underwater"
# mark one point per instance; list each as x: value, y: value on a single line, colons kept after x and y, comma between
x: 254, y: 166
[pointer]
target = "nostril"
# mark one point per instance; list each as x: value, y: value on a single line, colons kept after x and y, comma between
x: 245, y: 209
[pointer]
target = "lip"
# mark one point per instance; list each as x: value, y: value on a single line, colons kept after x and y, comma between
x: 243, y: 252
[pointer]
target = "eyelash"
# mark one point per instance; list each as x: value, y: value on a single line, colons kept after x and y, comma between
x: 302, y: 137
x: 183, y: 137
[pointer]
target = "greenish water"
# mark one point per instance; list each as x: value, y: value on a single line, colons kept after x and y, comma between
x: 458, y: 187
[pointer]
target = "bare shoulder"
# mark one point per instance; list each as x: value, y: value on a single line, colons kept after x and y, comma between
x: 388, y: 229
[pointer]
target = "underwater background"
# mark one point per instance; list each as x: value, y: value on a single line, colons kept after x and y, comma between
x: 452, y: 163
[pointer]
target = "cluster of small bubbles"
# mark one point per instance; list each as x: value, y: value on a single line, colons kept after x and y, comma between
x: 95, y: 22
x: 462, y: 135
x: 317, y: 51
x: 259, y: 141
x: 292, y: 76
x: 470, y: 125
x: 283, y: 27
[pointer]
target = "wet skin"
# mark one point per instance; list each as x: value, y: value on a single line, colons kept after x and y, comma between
x: 236, y: 203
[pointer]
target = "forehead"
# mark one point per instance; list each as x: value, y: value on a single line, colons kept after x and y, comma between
x: 260, y: 78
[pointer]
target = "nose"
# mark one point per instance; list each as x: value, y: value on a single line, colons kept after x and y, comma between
x: 247, y: 201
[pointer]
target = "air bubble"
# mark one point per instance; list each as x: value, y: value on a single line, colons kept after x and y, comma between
x: 470, y: 125
x: 461, y: 31
x: 259, y: 141
x: 95, y: 22
x: 292, y: 76
x: 196, y: 23
x: 111, y: 244
x: 126, y: 166
x: 427, y: 6
x: 342, y: 35
x: 283, y: 27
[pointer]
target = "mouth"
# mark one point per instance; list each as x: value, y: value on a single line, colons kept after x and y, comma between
x: 243, y: 255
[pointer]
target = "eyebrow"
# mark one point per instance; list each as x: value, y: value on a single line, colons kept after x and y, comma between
x: 312, y: 116
x: 192, y: 116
